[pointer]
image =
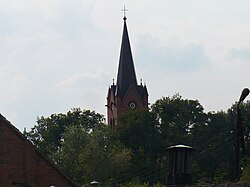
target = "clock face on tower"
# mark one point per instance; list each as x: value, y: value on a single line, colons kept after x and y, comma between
x: 132, y: 105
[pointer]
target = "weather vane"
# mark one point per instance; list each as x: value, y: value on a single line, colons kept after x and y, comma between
x: 124, y: 11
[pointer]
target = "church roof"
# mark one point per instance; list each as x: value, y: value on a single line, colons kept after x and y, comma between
x: 126, y: 70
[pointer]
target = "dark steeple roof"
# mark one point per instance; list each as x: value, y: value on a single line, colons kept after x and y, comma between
x: 126, y: 71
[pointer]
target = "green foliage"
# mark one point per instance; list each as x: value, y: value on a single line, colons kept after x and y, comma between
x: 177, y: 118
x: 80, y: 145
x: 211, y: 142
x: 103, y: 157
x: 246, y: 170
x: 135, y: 184
x: 67, y: 157
x: 138, y: 131
x: 47, y: 134
x: 218, y: 177
x: 85, y: 149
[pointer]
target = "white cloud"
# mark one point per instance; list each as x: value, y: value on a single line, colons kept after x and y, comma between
x: 80, y: 80
x: 13, y: 83
x: 58, y: 54
x: 174, y: 59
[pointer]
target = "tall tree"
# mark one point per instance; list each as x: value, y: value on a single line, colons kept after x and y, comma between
x: 48, y: 132
x: 138, y: 131
x: 81, y: 145
x: 95, y: 155
x: 211, y: 142
x: 177, y: 118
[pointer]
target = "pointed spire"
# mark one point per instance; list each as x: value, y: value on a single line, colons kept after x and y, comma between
x: 126, y: 71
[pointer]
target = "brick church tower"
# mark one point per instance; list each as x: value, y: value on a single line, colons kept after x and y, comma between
x: 126, y: 94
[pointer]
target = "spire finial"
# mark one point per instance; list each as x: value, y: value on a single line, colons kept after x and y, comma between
x: 124, y: 13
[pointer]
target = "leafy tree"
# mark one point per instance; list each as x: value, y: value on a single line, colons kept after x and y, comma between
x: 81, y: 145
x: 108, y: 156
x: 211, y: 142
x: 138, y: 131
x: 246, y: 170
x: 177, y: 118
x: 92, y: 156
x: 171, y: 120
x: 215, y: 143
x: 86, y: 149
x: 48, y: 132
x: 135, y: 184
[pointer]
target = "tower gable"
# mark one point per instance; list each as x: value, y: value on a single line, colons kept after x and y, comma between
x: 132, y: 99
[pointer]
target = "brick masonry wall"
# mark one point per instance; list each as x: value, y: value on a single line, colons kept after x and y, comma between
x: 21, y: 164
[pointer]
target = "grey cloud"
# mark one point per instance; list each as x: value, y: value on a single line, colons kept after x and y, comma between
x: 175, y: 59
x: 240, y: 53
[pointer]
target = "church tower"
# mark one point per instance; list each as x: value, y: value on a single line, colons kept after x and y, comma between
x: 126, y: 94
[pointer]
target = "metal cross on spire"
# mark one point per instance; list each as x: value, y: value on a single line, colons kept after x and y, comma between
x: 124, y: 12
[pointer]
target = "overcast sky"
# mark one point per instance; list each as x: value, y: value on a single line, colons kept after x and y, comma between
x: 59, y: 54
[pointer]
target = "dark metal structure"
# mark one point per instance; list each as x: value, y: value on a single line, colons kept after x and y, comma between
x: 240, y: 143
x: 180, y: 165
